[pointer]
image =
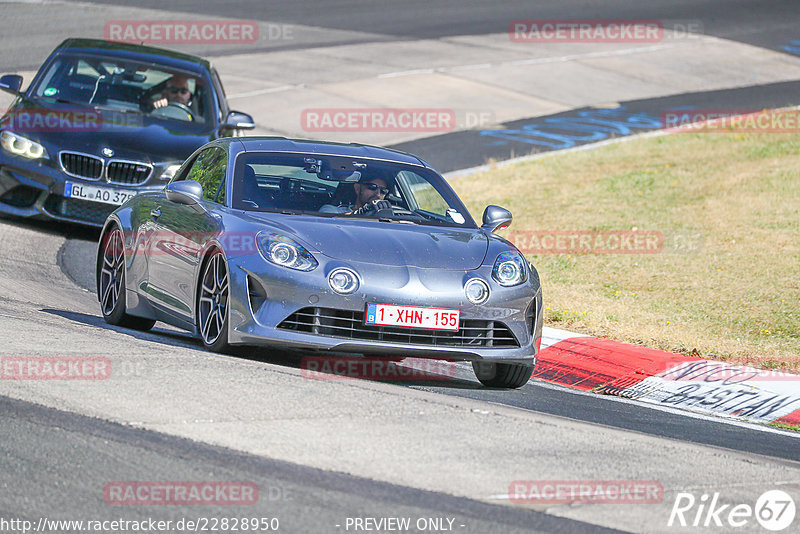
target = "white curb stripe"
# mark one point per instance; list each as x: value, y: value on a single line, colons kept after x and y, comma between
x: 720, y: 388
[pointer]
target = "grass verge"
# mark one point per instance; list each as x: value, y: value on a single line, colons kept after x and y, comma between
x: 725, y: 285
x: 784, y: 426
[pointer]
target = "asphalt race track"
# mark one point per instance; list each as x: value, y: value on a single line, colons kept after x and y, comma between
x: 322, y: 453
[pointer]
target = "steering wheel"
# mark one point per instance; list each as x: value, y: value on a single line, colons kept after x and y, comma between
x: 175, y: 110
x: 389, y: 211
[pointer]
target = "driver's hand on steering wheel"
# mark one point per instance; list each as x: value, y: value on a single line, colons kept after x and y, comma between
x: 375, y: 205
x: 160, y: 103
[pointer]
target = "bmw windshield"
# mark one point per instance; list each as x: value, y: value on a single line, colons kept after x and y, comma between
x: 127, y: 86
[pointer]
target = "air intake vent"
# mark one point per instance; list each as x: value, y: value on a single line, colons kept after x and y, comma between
x: 82, y: 165
x: 128, y: 172
x: 350, y: 325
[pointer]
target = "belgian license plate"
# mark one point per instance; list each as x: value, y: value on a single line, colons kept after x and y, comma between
x: 106, y: 195
x: 412, y: 316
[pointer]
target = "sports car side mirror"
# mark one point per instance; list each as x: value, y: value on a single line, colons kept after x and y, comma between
x: 186, y: 192
x: 495, y: 218
x: 236, y: 120
x: 11, y: 83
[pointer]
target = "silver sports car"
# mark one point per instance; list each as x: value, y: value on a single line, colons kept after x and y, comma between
x: 322, y: 247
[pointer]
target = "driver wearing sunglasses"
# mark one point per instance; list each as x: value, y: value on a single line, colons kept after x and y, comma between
x: 176, y: 90
x: 370, y: 194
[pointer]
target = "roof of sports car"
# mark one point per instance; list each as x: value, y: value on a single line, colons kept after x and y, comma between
x: 282, y: 144
x: 135, y: 51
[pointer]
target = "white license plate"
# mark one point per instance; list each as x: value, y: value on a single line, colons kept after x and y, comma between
x: 412, y: 316
x: 106, y: 195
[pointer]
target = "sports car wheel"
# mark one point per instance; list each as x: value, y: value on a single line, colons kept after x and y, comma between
x: 212, y: 310
x: 111, y: 287
x: 502, y: 375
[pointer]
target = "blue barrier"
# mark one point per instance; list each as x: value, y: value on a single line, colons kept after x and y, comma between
x: 583, y: 127
x: 793, y: 49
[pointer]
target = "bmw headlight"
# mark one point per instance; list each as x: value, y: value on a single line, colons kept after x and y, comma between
x: 285, y: 252
x: 169, y: 172
x: 509, y: 269
x: 21, y: 146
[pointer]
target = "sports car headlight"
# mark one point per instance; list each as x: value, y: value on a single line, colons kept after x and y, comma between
x: 477, y: 291
x: 509, y: 269
x: 343, y: 280
x: 169, y: 172
x: 21, y: 146
x: 285, y: 252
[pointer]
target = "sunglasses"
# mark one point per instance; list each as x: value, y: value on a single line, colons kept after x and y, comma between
x: 374, y: 187
x: 176, y: 90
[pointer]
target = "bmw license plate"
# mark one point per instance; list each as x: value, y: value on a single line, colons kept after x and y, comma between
x: 412, y: 316
x: 106, y: 195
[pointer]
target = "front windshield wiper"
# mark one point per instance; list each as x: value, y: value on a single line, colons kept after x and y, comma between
x: 398, y: 221
x: 95, y: 106
x: 122, y: 110
x: 406, y: 217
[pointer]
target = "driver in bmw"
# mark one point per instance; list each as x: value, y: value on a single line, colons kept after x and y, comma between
x: 370, y: 194
x: 177, y: 90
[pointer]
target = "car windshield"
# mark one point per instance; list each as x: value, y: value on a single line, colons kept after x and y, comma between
x: 333, y: 186
x: 127, y: 86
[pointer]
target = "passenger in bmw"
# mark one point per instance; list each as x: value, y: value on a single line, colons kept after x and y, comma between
x: 369, y: 196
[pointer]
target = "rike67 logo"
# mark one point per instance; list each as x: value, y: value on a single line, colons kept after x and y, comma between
x: 774, y: 510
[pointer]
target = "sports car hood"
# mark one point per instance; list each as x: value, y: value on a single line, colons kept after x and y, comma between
x: 86, y: 129
x: 387, y: 243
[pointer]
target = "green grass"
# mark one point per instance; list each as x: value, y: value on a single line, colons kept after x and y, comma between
x: 796, y: 428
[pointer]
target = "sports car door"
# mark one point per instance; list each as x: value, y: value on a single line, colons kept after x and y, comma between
x: 180, y: 234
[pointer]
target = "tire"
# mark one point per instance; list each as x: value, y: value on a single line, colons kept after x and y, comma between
x: 111, y: 284
x: 212, y: 303
x: 502, y: 375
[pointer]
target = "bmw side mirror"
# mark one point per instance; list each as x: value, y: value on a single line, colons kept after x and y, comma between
x: 495, y: 218
x: 236, y: 120
x: 11, y: 83
x: 186, y: 192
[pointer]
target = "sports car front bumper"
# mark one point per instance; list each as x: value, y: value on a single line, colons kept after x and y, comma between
x: 271, y: 305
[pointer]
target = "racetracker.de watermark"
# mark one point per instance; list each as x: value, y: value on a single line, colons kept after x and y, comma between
x: 585, y: 31
x: 203, y: 493
x: 55, y: 368
x: 157, y: 243
x: 588, y: 241
x: 378, y: 120
x: 342, y: 368
x: 42, y: 120
x: 731, y: 120
x: 183, y: 31
x: 586, y: 491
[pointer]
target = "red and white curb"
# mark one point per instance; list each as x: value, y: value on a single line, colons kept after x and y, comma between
x: 670, y: 380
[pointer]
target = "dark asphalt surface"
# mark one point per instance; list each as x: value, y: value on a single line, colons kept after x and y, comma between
x: 749, y: 21
x: 637, y: 417
x: 461, y: 150
x: 64, y: 475
x: 772, y: 26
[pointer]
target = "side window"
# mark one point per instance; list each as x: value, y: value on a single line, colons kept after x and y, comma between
x: 209, y: 170
x: 221, y: 98
x: 426, y: 197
